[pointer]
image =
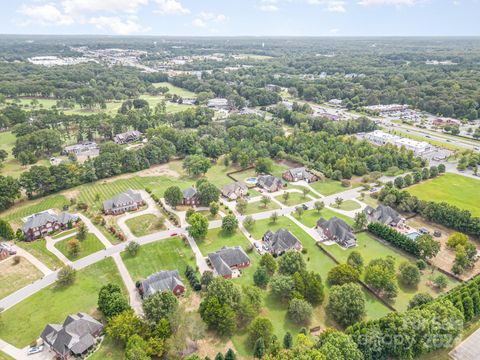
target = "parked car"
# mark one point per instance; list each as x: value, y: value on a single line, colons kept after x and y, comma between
x: 35, y: 350
x: 305, y: 207
x: 173, y: 234
x: 437, y: 233
x: 424, y: 230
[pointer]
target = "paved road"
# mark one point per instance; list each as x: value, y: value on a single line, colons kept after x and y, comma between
x: 133, y: 294
x: 35, y: 262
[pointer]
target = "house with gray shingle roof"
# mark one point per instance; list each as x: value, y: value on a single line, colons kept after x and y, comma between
x: 127, y: 137
x: 127, y: 201
x: 235, y: 190
x: 385, y: 215
x: 337, y: 230
x: 190, y: 196
x: 75, y: 336
x: 281, y: 241
x: 41, y: 224
x: 270, y: 183
x: 228, y: 260
x: 163, y: 281
x: 298, y: 174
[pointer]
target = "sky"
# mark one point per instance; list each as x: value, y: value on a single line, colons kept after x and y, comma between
x: 242, y: 17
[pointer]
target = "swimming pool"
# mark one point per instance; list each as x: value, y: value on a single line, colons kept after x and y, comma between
x: 251, y: 180
x: 413, y: 235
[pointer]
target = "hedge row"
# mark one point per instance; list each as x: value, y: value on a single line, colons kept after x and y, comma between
x: 391, y: 235
x: 193, y: 279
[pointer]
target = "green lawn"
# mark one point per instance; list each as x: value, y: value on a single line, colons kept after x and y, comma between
x: 60, y: 234
x: 294, y: 198
x: 4, y: 356
x: 257, y: 206
x: 26, y: 208
x: 175, y: 90
x: 455, y: 189
x: 88, y: 246
x: 144, y: 224
x: 24, y: 322
x: 7, y: 142
x: 38, y: 249
x: 108, y: 350
x: 371, y: 249
x: 328, y: 187
x: 310, y: 217
x: 16, y: 276
x: 168, y: 254
x: 349, y: 205
x: 370, y: 201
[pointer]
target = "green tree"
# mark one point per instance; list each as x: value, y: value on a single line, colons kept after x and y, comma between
x: 198, y: 226
x: 229, y: 224
x: 6, y: 231
x: 338, y: 201
x: 305, y: 192
x: 123, y: 326
x: 173, y: 196
x: 111, y: 300
x: 265, y: 200
x: 427, y: 246
x: 282, y: 287
x: 207, y: 193
x: 291, y: 262
x: 196, y: 165
x: 409, y: 274
x: 230, y: 355
x: 259, y: 349
x: 260, y: 328
x: 82, y: 232
x: 160, y: 305
x: 342, y: 274
x: 287, y: 340
x: 241, y: 206
x: 268, y: 261
x: 346, y: 304
x: 360, y: 220
x: 133, y: 248
x: 420, y: 299
x: 214, y: 208
x: 299, y: 311
x: 249, y: 222
x: 66, y: 276
x: 136, y: 348
x: 299, y: 210
x: 319, y: 205
x: 274, y: 217
x: 263, y: 166
x: 440, y: 281
x: 285, y: 196
x: 355, y: 260
x: 261, y: 277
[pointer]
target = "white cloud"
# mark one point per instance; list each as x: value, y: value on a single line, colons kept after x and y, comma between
x: 86, y: 6
x: 334, y: 31
x: 330, y: 5
x: 389, y: 2
x: 171, y: 7
x: 46, y: 14
x: 116, y: 25
x: 204, y: 19
x: 269, y: 5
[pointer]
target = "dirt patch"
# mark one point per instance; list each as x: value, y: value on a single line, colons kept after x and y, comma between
x: 445, y: 258
x: 157, y: 170
x: 193, y: 302
x: 71, y: 194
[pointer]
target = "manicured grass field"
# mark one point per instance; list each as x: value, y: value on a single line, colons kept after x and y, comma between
x: 294, y: 198
x: 7, y: 142
x: 370, y: 201
x: 15, y: 276
x: 175, y: 90
x: 454, y: 189
x: 4, y: 356
x: 349, y: 205
x: 88, y: 246
x: 108, y: 350
x: 144, y: 224
x: 371, y: 248
x: 310, y: 217
x: 60, y: 234
x: 19, y: 211
x: 38, y: 249
x: 257, y: 206
x: 24, y: 322
x: 168, y: 254
x: 328, y: 187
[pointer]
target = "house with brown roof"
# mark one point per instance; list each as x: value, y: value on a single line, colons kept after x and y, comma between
x: 337, y: 230
x: 298, y: 174
x: 227, y: 261
x: 385, y: 215
x: 270, y: 183
x: 235, y: 190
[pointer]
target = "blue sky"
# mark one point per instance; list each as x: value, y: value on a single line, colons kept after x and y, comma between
x: 242, y: 17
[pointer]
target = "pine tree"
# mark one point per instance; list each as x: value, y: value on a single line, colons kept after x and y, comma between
x: 287, y: 341
x: 259, y: 349
x: 230, y: 355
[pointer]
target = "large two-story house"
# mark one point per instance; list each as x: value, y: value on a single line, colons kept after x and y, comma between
x: 162, y: 281
x: 190, y: 197
x: 337, y: 230
x: 235, y: 190
x: 385, y: 215
x: 228, y: 260
x: 270, y: 183
x: 41, y: 224
x: 127, y: 201
x: 298, y: 174
x: 281, y: 241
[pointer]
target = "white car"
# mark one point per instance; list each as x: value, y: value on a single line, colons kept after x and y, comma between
x: 35, y: 350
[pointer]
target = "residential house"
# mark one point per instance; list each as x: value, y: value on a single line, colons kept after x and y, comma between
x: 6, y: 250
x: 335, y: 102
x: 218, y: 103
x: 74, y: 337
x: 337, y: 230
x: 298, y: 174
x: 84, y: 148
x: 228, y: 260
x: 270, y: 183
x: 127, y: 201
x: 41, y: 224
x: 127, y: 137
x: 190, y: 197
x: 167, y: 280
x: 281, y: 241
x: 385, y: 215
x: 235, y: 190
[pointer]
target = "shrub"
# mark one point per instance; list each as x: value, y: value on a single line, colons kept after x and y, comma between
x: 401, y: 241
x: 342, y: 274
x: 299, y: 311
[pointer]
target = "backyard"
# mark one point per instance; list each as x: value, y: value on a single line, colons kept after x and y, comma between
x: 25, y: 321
x: 454, y: 189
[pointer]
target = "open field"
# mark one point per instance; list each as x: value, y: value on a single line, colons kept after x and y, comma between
x: 175, y: 90
x: 26, y: 208
x: 349, y: 205
x: 257, y: 206
x: 88, y: 246
x: 144, y: 224
x: 15, y: 276
x: 4, y: 356
x: 38, y: 249
x: 168, y: 254
x: 294, y: 198
x: 7, y: 142
x: 24, y: 322
x: 328, y: 187
x: 454, y: 189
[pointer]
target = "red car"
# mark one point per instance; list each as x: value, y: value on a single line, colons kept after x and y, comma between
x: 173, y: 234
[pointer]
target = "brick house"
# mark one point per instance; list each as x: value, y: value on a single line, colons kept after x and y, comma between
x: 298, y: 174
x: 41, y: 224
x: 162, y: 281
x: 228, y: 260
x: 127, y: 201
x: 190, y: 197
